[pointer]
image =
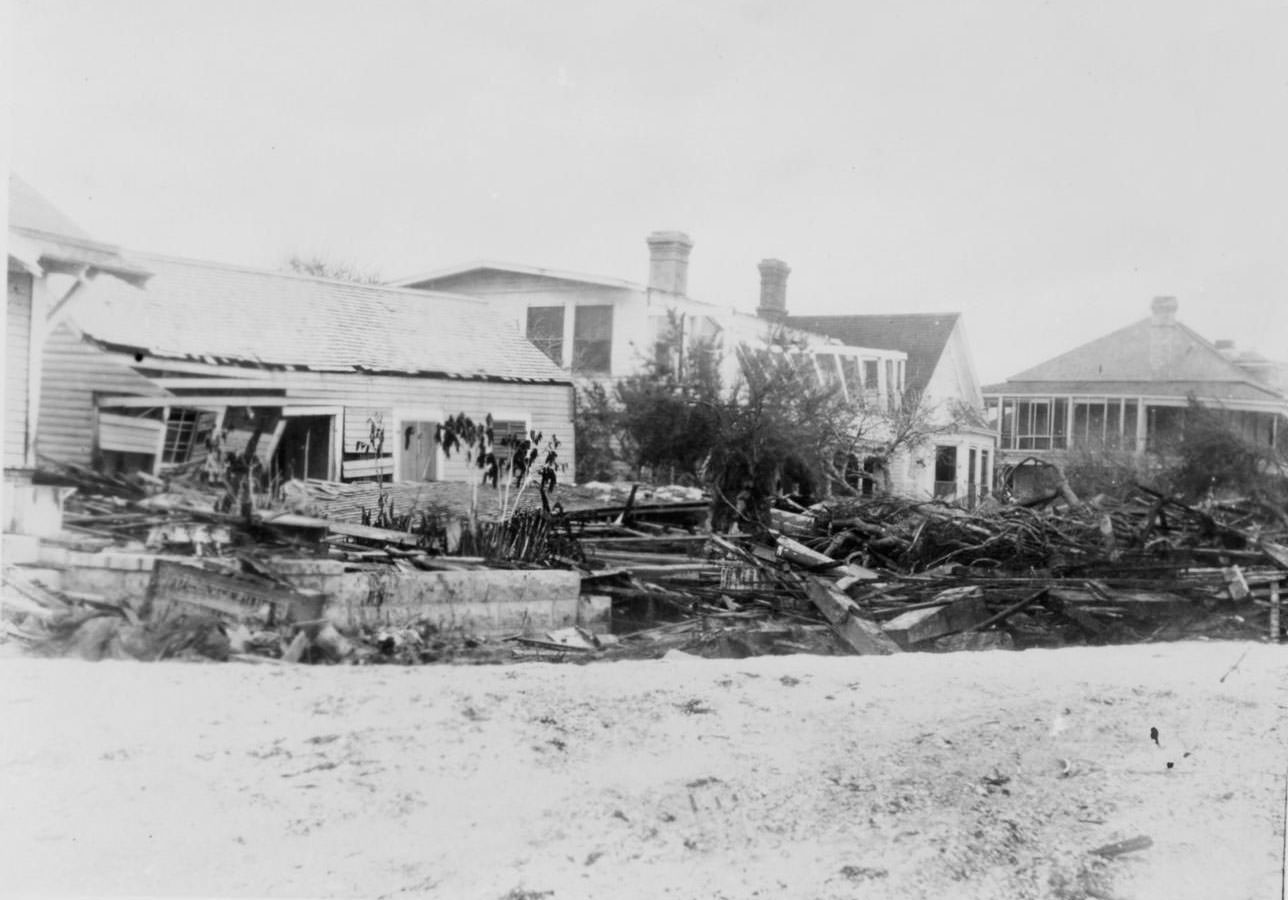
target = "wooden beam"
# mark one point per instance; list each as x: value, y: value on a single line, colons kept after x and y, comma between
x: 863, y: 636
x: 367, y: 533
x: 205, y: 402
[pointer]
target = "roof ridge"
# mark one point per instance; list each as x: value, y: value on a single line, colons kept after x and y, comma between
x: 524, y: 268
x: 379, y: 287
x: 937, y: 315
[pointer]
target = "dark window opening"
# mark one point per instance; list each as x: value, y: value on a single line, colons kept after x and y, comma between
x: 545, y: 329
x: 871, y: 374
x: 592, y: 351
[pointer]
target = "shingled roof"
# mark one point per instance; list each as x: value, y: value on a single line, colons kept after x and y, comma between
x: 213, y: 312
x: 1147, y: 358
x: 923, y: 336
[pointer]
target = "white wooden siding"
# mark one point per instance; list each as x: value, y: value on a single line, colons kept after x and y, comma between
x: 128, y: 434
x: 74, y: 369
x: 16, y: 354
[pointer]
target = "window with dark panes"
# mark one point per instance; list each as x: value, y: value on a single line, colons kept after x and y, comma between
x: 545, y: 329
x: 592, y: 339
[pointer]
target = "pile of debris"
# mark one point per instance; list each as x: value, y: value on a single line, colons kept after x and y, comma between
x: 872, y: 575
x: 889, y: 575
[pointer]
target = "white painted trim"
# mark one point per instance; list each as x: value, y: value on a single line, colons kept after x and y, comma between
x: 36, y: 334
x: 335, y: 438
x: 289, y: 411
x: 205, y: 402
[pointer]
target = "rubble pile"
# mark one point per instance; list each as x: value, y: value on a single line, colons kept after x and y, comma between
x: 889, y: 575
x: 869, y: 576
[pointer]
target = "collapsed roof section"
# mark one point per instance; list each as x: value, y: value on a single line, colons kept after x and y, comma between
x: 218, y: 313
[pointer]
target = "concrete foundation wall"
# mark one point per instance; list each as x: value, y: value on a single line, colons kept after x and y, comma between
x: 486, y: 603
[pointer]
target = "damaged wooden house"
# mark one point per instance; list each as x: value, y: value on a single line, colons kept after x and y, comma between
x: 329, y: 380
x: 51, y: 260
x: 957, y: 462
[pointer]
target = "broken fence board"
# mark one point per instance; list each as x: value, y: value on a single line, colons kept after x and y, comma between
x: 864, y: 636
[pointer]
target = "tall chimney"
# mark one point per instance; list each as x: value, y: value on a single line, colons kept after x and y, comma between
x: 668, y: 265
x: 1162, y: 334
x: 1164, y: 310
x: 773, y: 289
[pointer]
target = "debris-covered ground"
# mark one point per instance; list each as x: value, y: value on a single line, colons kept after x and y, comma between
x: 868, y: 576
x: 964, y: 775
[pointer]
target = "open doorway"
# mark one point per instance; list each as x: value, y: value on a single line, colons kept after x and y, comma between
x: 304, y: 449
x: 945, y: 471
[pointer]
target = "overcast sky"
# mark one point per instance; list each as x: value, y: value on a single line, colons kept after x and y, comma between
x: 1044, y: 168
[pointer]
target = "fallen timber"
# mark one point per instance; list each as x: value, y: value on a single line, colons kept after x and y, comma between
x: 879, y: 575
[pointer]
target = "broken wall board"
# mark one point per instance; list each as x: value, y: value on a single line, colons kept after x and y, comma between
x: 174, y: 586
x: 383, y: 535
x: 864, y: 636
x: 925, y: 624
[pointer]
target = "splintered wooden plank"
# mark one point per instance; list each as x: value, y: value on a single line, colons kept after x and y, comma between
x: 383, y: 535
x: 961, y: 613
x: 864, y: 636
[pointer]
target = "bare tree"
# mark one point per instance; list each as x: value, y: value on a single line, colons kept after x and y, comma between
x: 337, y: 270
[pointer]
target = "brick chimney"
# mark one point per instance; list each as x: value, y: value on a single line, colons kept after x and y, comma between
x: 1162, y: 334
x: 773, y: 289
x: 1164, y: 310
x: 668, y: 261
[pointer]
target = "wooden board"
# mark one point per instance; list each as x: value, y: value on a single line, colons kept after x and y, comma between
x: 864, y: 636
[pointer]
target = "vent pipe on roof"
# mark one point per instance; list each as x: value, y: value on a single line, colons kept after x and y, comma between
x: 668, y: 268
x: 773, y: 289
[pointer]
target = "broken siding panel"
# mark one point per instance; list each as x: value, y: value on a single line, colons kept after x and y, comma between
x: 16, y: 356
x: 73, y: 372
x: 128, y: 434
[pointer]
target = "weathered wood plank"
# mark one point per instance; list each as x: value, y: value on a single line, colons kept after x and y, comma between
x: 864, y: 636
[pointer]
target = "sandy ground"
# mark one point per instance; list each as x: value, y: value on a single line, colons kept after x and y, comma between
x: 961, y: 775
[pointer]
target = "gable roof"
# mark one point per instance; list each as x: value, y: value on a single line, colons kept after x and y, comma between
x: 213, y: 312
x: 514, y: 268
x: 923, y: 336
x: 43, y: 238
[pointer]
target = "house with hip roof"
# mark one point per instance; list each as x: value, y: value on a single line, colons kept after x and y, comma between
x: 1129, y: 391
